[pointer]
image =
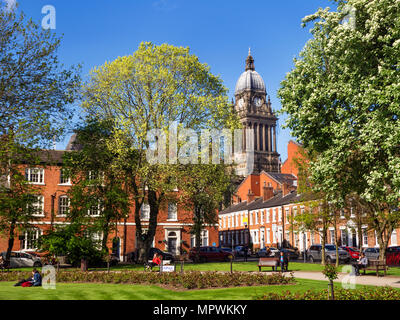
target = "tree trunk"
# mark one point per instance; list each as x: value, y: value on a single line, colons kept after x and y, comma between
x: 11, y: 238
x: 323, y: 241
x: 336, y: 242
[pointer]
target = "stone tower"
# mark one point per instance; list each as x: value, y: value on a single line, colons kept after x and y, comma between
x: 254, y: 110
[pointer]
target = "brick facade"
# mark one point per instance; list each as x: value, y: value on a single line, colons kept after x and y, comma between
x: 176, y: 231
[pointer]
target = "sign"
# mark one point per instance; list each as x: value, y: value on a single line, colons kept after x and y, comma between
x: 168, y: 268
x: 245, y: 220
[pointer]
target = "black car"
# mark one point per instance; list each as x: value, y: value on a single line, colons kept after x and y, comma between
x: 165, y: 255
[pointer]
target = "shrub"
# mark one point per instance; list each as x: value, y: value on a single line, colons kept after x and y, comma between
x: 188, y: 280
x: 379, y: 293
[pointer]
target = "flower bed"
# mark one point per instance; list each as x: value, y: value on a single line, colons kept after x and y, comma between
x: 187, y: 280
x: 379, y: 293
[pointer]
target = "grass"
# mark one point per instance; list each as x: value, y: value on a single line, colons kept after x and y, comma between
x: 237, y: 266
x: 79, y: 291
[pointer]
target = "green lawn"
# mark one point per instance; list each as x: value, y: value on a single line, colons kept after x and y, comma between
x: 237, y: 266
x: 78, y: 291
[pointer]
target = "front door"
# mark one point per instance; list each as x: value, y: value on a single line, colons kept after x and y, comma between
x: 172, y: 245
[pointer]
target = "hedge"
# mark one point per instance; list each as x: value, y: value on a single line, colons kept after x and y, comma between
x: 378, y: 293
x: 188, y: 280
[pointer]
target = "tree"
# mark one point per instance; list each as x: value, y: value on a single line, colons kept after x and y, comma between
x: 342, y: 102
x: 156, y: 90
x: 97, y: 195
x: 203, y: 192
x: 35, y: 98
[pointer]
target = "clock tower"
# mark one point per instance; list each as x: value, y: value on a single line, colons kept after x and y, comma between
x: 255, y: 113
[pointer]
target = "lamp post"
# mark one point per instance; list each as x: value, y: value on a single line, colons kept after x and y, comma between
x: 304, y: 245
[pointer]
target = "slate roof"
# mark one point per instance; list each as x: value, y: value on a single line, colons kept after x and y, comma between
x: 276, y: 201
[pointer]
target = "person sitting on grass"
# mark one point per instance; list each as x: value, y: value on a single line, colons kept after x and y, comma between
x: 37, y: 278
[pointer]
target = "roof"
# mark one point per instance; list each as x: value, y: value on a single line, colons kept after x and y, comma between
x: 250, y: 79
x: 277, y: 201
x: 282, y: 177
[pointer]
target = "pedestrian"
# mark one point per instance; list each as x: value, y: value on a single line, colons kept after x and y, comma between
x: 284, y: 261
x: 361, y: 263
x: 245, y: 253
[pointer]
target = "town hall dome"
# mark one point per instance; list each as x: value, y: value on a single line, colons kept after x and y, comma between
x: 250, y: 79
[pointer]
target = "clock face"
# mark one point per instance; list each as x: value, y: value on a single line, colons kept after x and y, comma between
x: 241, y: 103
x: 258, y: 101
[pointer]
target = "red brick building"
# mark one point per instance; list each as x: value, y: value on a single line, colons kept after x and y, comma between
x: 173, y: 225
x: 265, y: 204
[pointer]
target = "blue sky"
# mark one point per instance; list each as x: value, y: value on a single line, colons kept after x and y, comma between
x: 219, y: 32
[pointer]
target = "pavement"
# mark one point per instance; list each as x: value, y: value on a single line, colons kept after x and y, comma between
x: 369, y: 279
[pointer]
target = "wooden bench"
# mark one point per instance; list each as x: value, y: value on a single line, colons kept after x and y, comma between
x: 376, y: 265
x: 268, y: 262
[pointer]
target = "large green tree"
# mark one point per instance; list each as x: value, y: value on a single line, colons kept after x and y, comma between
x: 156, y: 88
x: 342, y: 98
x: 35, y: 97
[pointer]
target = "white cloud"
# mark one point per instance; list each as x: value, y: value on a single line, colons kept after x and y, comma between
x: 10, y: 4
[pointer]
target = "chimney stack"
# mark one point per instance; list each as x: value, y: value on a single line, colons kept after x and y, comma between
x: 250, y: 196
x: 268, y: 192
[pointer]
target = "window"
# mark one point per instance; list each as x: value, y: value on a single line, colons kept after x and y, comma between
x: 344, y: 237
x: 30, y: 238
x: 280, y: 214
x: 172, y: 211
x: 287, y: 215
x: 63, y: 205
x: 256, y: 217
x: 268, y: 215
x: 96, y: 175
x: 251, y: 218
x: 393, y: 238
x: 35, y: 175
x: 268, y: 240
x: 64, y: 177
x: 262, y: 217
x: 332, y: 233
x: 95, y: 210
x: 38, y: 206
x: 204, y: 238
x: 145, y: 211
x: 273, y: 215
x: 365, y: 237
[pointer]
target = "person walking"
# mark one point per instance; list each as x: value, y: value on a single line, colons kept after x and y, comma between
x: 245, y: 249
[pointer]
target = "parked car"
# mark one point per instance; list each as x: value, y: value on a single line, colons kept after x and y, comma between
x: 314, y: 253
x: 165, y: 255
x: 208, y: 253
x: 239, y: 251
x: 226, y: 249
x: 292, y: 253
x: 372, y: 253
x: 263, y: 253
x: 21, y: 259
x: 393, y: 256
x: 274, y: 251
x: 353, y: 252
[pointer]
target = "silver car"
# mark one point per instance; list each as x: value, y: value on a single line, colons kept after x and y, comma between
x: 21, y: 259
x: 372, y: 253
x: 314, y: 253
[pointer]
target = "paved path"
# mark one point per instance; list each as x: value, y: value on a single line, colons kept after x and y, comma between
x: 368, y: 279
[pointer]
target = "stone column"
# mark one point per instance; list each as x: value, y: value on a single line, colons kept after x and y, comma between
x: 256, y: 137
x: 269, y: 138
x: 260, y: 135
x: 275, y: 138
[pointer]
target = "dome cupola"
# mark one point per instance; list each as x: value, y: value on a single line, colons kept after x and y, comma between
x: 250, y: 79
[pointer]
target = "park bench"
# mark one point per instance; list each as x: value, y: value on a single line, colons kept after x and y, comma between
x: 376, y: 265
x: 268, y: 262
